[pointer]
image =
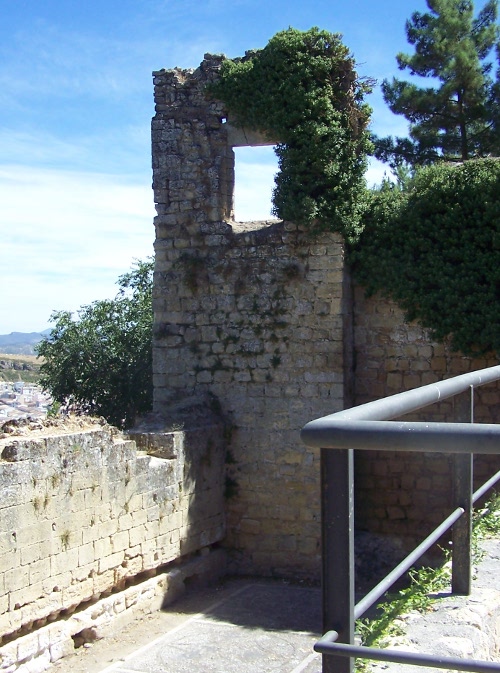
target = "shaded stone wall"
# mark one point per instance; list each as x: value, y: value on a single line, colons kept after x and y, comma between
x: 249, y: 318
x: 408, y: 494
x: 83, y: 513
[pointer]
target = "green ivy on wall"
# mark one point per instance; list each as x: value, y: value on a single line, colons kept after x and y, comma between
x: 302, y: 90
x: 433, y: 247
x: 435, y: 250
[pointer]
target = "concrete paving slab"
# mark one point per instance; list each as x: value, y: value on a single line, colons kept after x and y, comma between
x: 269, y: 626
x: 255, y: 628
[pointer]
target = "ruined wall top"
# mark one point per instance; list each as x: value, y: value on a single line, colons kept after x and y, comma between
x: 181, y: 90
x: 193, y: 164
x: 192, y: 141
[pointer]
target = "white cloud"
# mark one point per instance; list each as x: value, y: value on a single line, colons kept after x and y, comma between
x: 66, y: 237
x: 76, y: 64
x: 376, y: 172
x: 124, y: 149
x: 255, y: 168
x: 66, y: 63
x: 38, y: 147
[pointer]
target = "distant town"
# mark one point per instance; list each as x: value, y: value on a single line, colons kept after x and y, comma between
x: 21, y: 396
x: 22, y: 400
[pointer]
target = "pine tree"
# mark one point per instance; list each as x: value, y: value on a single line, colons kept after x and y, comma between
x: 458, y: 116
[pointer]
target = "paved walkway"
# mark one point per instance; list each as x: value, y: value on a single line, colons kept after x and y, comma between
x: 254, y: 626
x: 241, y: 626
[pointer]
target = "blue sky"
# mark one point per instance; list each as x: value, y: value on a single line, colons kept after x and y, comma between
x: 76, y: 101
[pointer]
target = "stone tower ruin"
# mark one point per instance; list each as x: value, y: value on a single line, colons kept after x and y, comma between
x: 250, y: 320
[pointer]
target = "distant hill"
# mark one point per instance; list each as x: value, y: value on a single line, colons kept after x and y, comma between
x: 21, y: 343
x: 14, y: 367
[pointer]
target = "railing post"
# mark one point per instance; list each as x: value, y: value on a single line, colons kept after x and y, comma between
x: 461, y: 574
x: 337, y: 525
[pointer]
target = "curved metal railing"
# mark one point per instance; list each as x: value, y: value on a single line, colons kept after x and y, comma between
x: 371, y: 427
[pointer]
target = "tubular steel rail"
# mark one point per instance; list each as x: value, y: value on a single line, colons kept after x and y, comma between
x: 370, y: 427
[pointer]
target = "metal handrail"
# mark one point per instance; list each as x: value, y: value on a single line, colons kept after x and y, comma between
x: 328, y: 645
x: 412, y: 400
x: 379, y: 590
x: 368, y: 427
x: 405, y: 565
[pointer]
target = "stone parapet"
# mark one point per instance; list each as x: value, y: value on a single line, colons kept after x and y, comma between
x: 83, y: 514
x: 39, y: 650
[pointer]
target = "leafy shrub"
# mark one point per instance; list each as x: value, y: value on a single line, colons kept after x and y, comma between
x: 101, y: 362
x: 302, y: 90
x: 435, y: 250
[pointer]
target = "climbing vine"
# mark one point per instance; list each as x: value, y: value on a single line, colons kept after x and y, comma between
x: 435, y: 250
x: 302, y: 90
x: 432, y: 247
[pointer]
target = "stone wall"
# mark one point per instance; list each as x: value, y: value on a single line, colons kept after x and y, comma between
x: 84, y: 513
x: 408, y: 494
x: 249, y: 317
x: 257, y: 320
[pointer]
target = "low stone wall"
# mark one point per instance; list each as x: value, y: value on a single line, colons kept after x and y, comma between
x: 84, y: 513
x: 42, y: 647
x: 462, y: 627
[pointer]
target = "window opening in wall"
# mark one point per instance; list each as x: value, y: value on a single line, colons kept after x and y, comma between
x: 254, y: 171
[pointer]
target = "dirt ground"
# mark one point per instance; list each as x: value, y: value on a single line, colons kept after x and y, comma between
x: 123, y: 640
x: 95, y: 657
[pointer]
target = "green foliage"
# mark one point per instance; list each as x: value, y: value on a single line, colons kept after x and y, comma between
x: 434, y: 249
x: 487, y: 520
x: 54, y: 409
x: 302, y: 90
x: 101, y: 362
x: 425, y: 584
x: 457, y: 118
